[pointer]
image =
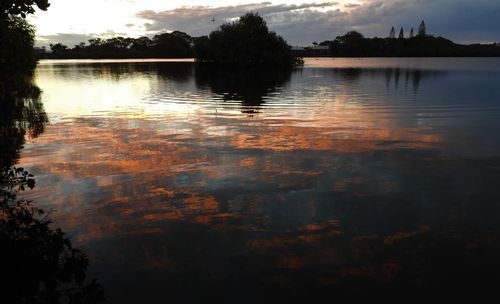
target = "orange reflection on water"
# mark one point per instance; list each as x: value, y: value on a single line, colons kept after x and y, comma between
x: 323, y: 175
x: 291, y: 137
x: 130, y: 168
x: 124, y: 162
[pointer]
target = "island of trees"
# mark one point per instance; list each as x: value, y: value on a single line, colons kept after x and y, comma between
x: 245, y: 41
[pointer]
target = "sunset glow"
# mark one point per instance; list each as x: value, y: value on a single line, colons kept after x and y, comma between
x: 300, y: 22
x: 253, y: 151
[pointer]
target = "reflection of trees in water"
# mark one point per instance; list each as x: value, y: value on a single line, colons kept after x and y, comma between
x: 176, y: 71
x: 39, y: 263
x: 393, y: 76
x: 248, y: 85
x: 21, y: 113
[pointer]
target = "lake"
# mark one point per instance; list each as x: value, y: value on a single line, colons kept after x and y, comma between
x: 193, y: 183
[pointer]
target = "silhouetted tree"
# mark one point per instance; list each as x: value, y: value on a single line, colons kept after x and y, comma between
x: 392, y: 34
x: 141, y: 44
x: 176, y: 44
x: 246, y: 41
x: 21, y: 115
x: 58, y: 48
x: 422, y: 31
x: 167, y: 45
x: 17, y: 55
x: 401, y: 34
x: 39, y: 263
x: 353, y: 44
x: 17, y: 36
x: 411, y: 33
x: 350, y: 38
x: 21, y: 7
x: 202, y: 47
x: 96, y: 42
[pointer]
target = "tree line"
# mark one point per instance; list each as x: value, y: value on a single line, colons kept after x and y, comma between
x: 167, y: 45
x: 247, y: 41
x: 225, y: 45
x: 354, y: 44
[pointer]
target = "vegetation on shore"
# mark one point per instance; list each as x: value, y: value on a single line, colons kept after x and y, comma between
x: 167, y: 45
x: 354, y: 44
x: 16, y: 45
x: 248, y: 41
x: 17, y: 37
x: 40, y: 263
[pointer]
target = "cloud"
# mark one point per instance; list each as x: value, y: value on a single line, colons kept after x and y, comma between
x: 351, y: 5
x: 461, y: 20
x: 198, y: 20
x: 301, y: 24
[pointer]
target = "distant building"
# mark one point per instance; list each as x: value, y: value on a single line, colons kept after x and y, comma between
x: 297, y: 48
x: 311, y: 51
x: 320, y: 48
x: 317, y: 50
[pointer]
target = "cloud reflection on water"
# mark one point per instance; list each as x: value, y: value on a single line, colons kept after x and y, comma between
x: 331, y: 170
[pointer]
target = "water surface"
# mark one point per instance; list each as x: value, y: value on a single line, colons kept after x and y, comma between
x: 186, y: 183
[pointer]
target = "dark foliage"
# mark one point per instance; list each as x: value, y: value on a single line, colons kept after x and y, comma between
x: 17, y: 57
x: 392, y: 34
x: 250, y: 85
x: 247, y: 41
x: 21, y: 114
x: 223, y: 46
x: 39, y: 263
x: 175, y: 45
x: 167, y: 45
x: 353, y: 44
x: 21, y: 7
x: 401, y: 34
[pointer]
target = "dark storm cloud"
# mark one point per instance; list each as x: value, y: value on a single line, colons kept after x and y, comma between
x: 460, y: 20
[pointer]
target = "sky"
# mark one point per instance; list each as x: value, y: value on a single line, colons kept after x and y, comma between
x: 300, y: 22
